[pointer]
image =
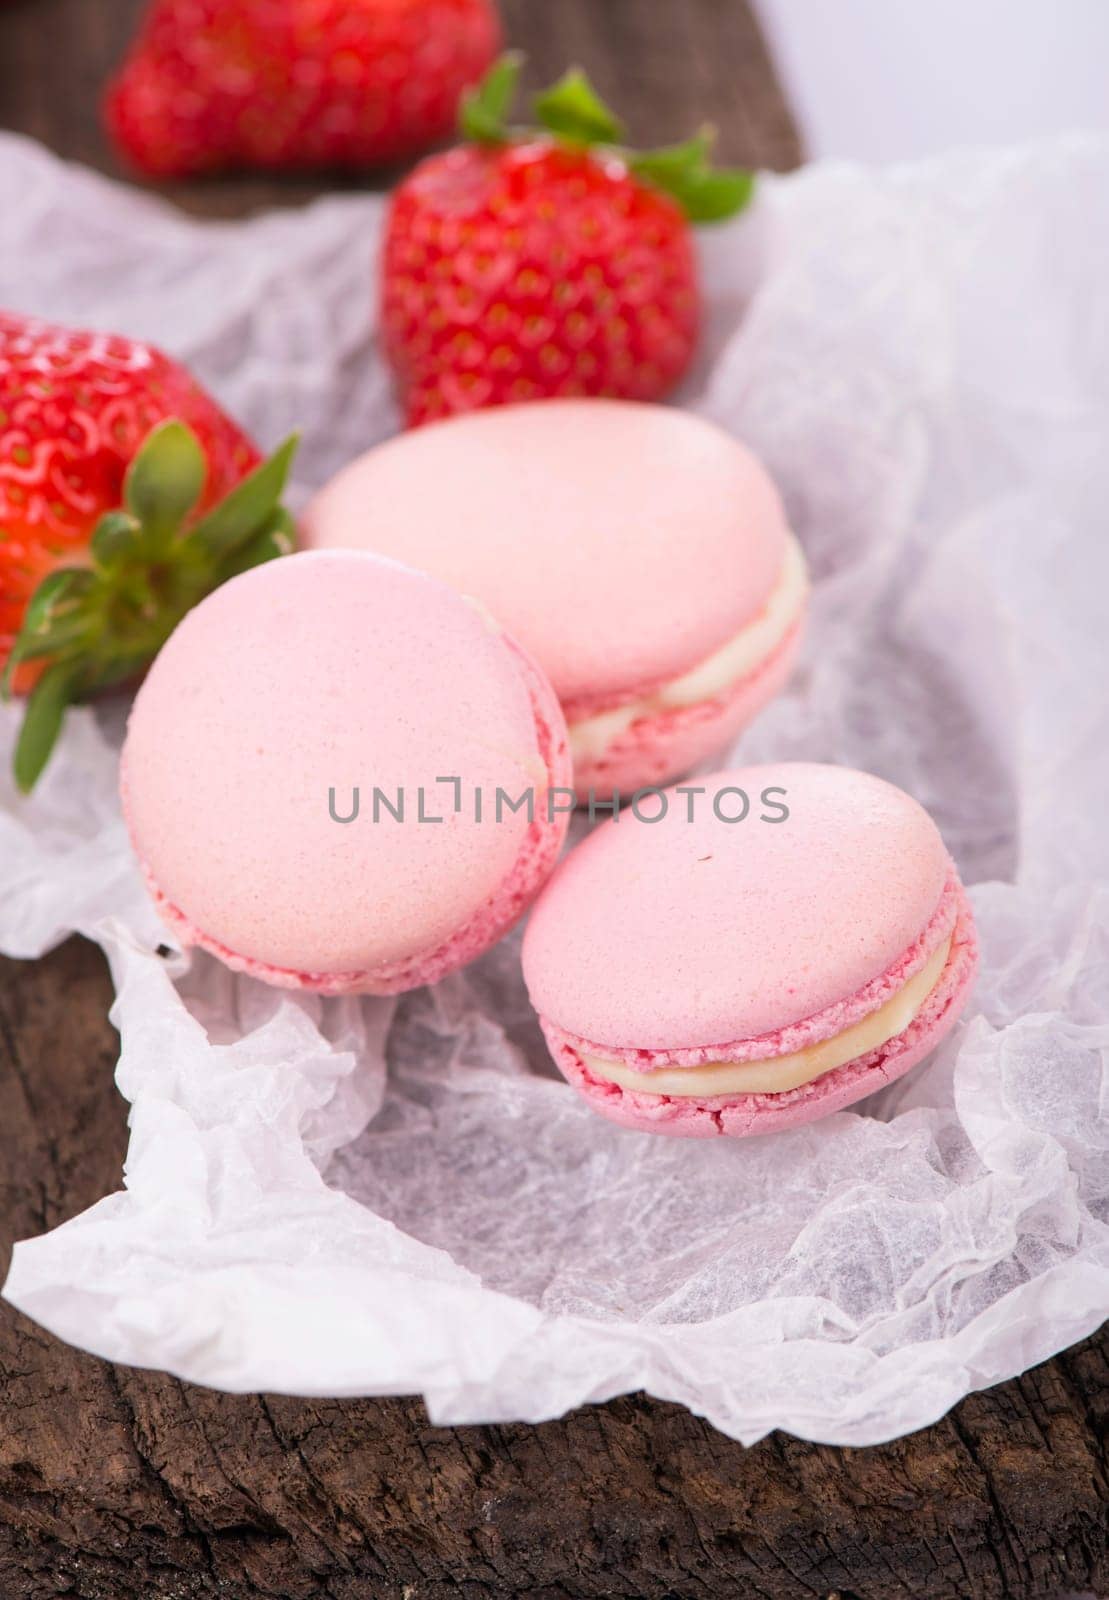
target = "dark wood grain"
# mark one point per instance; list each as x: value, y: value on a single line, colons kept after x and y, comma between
x: 124, y: 1485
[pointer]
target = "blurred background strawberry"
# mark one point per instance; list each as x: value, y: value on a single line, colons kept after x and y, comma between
x: 212, y: 85
x: 546, y: 261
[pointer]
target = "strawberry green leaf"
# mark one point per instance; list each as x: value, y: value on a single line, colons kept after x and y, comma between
x: 166, y: 479
x: 100, y: 625
x: 42, y: 722
x: 277, y: 538
x: 573, y: 111
x: 53, y: 614
x: 673, y: 160
x: 124, y: 666
x: 116, y: 536
x: 56, y: 638
x: 54, y: 589
x: 247, y: 508
x: 712, y: 196
x: 483, y: 109
x: 685, y: 171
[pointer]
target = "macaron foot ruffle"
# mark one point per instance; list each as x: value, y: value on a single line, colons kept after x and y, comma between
x: 738, y: 1116
x: 657, y: 749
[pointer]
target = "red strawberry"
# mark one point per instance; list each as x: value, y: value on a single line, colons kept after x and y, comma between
x: 216, y: 84
x: 126, y: 495
x: 532, y: 263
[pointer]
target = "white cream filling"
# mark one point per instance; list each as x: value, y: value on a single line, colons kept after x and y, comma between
x: 778, y: 1073
x: 591, y: 736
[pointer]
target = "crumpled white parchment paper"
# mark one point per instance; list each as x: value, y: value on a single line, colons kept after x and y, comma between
x: 925, y: 367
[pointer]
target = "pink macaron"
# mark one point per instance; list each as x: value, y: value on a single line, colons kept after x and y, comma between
x: 311, y: 773
x: 750, y: 952
x: 640, y: 553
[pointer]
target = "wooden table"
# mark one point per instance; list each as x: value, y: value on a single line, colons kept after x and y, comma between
x: 122, y: 1485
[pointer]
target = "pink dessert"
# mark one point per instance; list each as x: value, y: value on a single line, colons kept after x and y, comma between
x: 280, y: 696
x: 640, y: 553
x: 703, y: 976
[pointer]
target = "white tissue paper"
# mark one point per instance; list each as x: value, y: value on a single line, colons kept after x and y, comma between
x: 921, y: 355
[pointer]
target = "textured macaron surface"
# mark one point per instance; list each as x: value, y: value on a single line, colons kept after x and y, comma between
x: 320, y: 672
x: 620, y: 543
x: 680, y: 935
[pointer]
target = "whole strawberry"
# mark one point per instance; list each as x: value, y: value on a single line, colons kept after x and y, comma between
x: 529, y: 263
x: 126, y: 494
x: 217, y: 84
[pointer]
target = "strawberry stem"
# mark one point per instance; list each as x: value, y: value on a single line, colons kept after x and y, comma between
x: 151, y: 563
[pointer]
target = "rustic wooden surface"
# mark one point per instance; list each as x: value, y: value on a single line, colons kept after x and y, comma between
x: 125, y: 1485
x: 117, y: 1484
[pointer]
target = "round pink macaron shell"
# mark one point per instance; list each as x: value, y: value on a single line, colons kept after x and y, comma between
x: 622, y: 544
x: 681, y: 935
x: 659, y: 747
x: 339, y: 670
x: 737, y: 1116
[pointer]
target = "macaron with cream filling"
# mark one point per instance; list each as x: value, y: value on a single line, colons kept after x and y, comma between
x: 311, y: 772
x: 776, y: 944
x: 639, y: 552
